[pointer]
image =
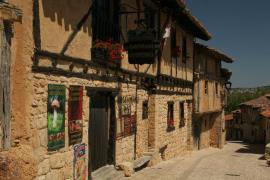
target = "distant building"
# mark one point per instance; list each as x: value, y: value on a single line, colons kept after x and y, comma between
x: 233, y: 123
x: 266, y: 116
x: 210, y: 91
x: 228, y: 126
x: 253, y: 123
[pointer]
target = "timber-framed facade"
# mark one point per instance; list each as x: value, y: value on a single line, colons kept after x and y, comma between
x: 79, y: 95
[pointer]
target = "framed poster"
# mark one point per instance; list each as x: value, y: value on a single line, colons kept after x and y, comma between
x: 56, y: 116
x: 80, y: 166
x: 75, y: 105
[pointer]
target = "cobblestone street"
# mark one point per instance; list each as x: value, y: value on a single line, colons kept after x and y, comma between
x: 236, y: 161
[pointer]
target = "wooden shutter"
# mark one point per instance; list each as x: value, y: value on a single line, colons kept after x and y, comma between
x: 5, y: 35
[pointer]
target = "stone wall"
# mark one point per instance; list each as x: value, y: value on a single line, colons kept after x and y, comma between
x: 175, y: 141
x: 205, y: 132
x: 212, y: 131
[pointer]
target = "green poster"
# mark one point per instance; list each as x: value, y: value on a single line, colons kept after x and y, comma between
x: 56, y: 116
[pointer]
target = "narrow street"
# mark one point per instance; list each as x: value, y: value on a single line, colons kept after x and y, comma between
x: 236, y: 161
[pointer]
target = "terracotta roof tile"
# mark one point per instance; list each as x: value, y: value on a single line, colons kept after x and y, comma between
x: 261, y: 102
x: 228, y: 117
x: 266, y: 113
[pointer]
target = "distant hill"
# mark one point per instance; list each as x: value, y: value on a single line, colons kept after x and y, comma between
x: 240, y: 95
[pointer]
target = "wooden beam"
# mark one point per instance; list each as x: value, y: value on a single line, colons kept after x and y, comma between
x: 9, y: 12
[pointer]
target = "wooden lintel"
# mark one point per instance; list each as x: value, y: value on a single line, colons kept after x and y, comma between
x: 10, y: 12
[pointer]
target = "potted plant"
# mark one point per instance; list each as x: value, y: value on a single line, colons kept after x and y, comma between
x: 108, y: 50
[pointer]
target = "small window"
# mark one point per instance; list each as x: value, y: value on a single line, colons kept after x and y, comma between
x: 216, y: 87
x: 174, y: 52
x: 206, y: 87
x: 184, y: 50
x: 182, y: 114
x: 170, y: 117
x: 145, y: 110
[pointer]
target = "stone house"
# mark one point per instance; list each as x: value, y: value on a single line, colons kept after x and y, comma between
x: 253, y: 123
x: 209, y: 97
x: 234, y: 123
x: 80, y: 101
x: 229, y: 126
x: 266, y: 116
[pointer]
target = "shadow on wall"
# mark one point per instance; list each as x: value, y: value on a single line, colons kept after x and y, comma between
x: 68, y: 13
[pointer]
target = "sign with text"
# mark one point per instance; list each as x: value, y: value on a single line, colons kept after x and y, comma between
x: 56, y: 116
x: 75, y: 105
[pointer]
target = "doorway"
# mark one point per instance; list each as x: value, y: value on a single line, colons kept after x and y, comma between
x: 196, y: 133
x: 102, y: 130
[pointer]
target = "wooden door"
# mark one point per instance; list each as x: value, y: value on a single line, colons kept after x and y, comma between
x: 101, y: 131
x: 196, y: 133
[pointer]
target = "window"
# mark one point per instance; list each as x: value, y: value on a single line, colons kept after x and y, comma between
x: 173, y: 44
x: 170, y: 117
x: 106, y: 20
x: 182, y: 114
x: 151, y: 20
x: 216, y: 87
x: 184, y: 50
x: 206, y: 87
x: 145, y: 110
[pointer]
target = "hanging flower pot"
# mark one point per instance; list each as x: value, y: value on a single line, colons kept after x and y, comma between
x: 107, y: 51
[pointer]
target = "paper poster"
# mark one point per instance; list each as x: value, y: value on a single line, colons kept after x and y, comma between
x: 80, y: 164
x: 56, y: 116
x: 75, y: 104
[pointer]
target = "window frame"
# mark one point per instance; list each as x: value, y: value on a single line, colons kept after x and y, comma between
x: 170, y: 116
x: 182, y: 114
x: 184, y: 50
x: 217, y: 89
x: 206, y: 87
x: 145, y: 110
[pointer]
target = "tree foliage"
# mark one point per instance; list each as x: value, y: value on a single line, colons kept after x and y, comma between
x: 236, y: 97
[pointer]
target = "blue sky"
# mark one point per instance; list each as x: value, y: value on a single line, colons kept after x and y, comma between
x: 240, y: 29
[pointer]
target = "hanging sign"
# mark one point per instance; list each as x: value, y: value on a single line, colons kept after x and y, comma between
x: 141, y: 46
x: 79, y: 166
x: 56, y: 116
x: 75, y: 104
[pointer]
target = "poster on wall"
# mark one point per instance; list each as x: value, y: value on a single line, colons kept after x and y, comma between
x: 75, y: 104
x: 80, y: 168
x: 129, y: 125
x: 56, y: 116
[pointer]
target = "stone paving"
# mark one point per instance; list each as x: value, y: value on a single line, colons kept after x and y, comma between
x: 236, y: 161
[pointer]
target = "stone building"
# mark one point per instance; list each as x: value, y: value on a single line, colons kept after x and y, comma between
x: 266, y: 116
x: 229, y: 126
x: 234, y: 126
x: 209, y: 97
x: 253, y: 123
x: 80, y: 101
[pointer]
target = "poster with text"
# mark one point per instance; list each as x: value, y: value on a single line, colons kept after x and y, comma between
x: 56, y: 116
x: 75, y: 104
x: 80, y: 167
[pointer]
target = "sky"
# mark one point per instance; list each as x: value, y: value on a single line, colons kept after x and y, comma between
x: 240, y: 29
